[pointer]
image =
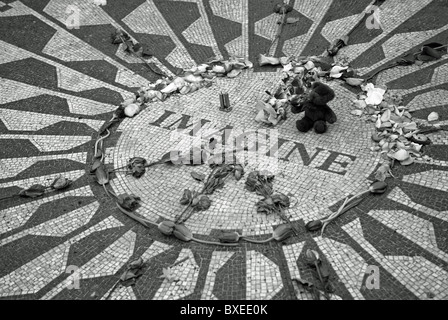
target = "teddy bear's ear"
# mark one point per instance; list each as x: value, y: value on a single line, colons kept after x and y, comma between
x: 322, y: 93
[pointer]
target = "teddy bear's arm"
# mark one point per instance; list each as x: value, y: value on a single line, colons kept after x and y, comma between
x: 330, y: 116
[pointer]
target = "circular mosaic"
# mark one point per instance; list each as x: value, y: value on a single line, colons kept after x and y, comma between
x: 319, y: 170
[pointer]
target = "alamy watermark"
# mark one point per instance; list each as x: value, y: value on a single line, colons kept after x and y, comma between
x: 373, y: 21
x: 74, y: 14
x: 75, y: 277
x: 373, y: 278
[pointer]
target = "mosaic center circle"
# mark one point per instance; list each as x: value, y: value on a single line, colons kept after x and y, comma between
x: 319, y: 170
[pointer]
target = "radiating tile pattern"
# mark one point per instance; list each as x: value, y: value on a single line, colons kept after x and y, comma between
x: 186, y: 272
x: 424, y: 275
x: 154, y: 249
x: 389, y: 75
x: 36, y: 274
x: 156, y: 24
x: 316, y: 190
x: 60, y: 226
x: 11, y: 167
x: 263, y: 279
x: 219, y: 258
x: 106, y: 263
x: 389, y: 22
x: 236, y: 11
x: 15, y: 217
x: 315, y: 11
x: 416, y: 229
x: 348, y: 264
x: 121, y: 293
x: 399, y: 196
x: 77, y: 105
x: 49, y: 143
x: 434, y: 179
x: 428, y: 100
x: 401, y: 43
x: 32, y: 121
x: 83, y: 50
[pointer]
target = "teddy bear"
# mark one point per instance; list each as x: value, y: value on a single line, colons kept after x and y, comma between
x: 317, y: 112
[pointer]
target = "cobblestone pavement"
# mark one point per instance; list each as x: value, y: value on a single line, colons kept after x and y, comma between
x: 60, y: 85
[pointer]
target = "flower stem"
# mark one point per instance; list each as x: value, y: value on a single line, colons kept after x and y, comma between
x: 215, y: 243
x: 257, y: 241
x: 9, y: 197
x: 133, y: 216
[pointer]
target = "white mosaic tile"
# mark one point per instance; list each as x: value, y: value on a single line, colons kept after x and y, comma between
x: 399, y: 196
x: 155, y: 249
x: 15, y: 217
x: 156, y: 24
x: 90, y: 14
x: 32, y: 121
x: 121, y: 293
x: 346, y: 262
x: 401, y: 43
x: 187, y: 272
x: 18, y: 9
x: 60, y: 226
x: 11, y: 167
x: 414, y: 228
x: 66, y: 48
x: 49, y: 143
x: 39, y: 272
x: 292, y: 253
x: 218, y: 259
x: 390, y: 20
x: 415, y: 273
x: 9, y: 54
x: 106, y: 263
x: 392, y: 74
x: 67, y: 54
x: 429, y: 100
x: 434, y: 179
x: 200, y: 31
x: 44, y: 180
x: 263, y: 279
x: 315, y: 11
x: 335, y: 29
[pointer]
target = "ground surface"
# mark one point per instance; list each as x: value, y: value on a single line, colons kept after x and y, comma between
x: 59, y: 86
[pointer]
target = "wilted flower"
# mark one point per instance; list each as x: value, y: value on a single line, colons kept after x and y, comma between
x: 166, y: 227
x: 238, y: 172
x: 312, y: 256
x: 313, y: 225
x: 264, y: 60
x: 281, y: 200
x: 128, y: 201
x: 186, y: 197
x: 181, y: 232
x: 229, y: 237
x: 282, y: 232
x: 203, y: 203
x: 378, y: 187
x: 60, y: 183
x: 136, y: 166
x: 34, y: 191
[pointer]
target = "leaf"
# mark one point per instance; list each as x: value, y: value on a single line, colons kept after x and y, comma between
x: 167, y: 274
x: 292, y: 20
x: 198, y: 176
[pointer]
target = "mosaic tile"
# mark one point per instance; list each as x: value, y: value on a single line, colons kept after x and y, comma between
x: 187, y: 272
x: 15, y: 217
x: 219, y: 258
x: 389, y: 22
x: 36, y: 274
x: 263, y: 280
x: 148, y: 11
x: 121, y: 293
x: 33, y: 121
x: 44, y: 180
x: 416, y: 229
x: 314, y: 10
x: 348, y: 264
x: 106, y: 263
x: 60, y: 226
x: 399, y: 196
x: 399, y: 266
x: 13, y: 166
x: 155, y: 249
x: 49, y: 143
x: 434, y: 179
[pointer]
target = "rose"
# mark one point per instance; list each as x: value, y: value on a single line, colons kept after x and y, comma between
x: 60, y: 183
x: 128, y: 201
